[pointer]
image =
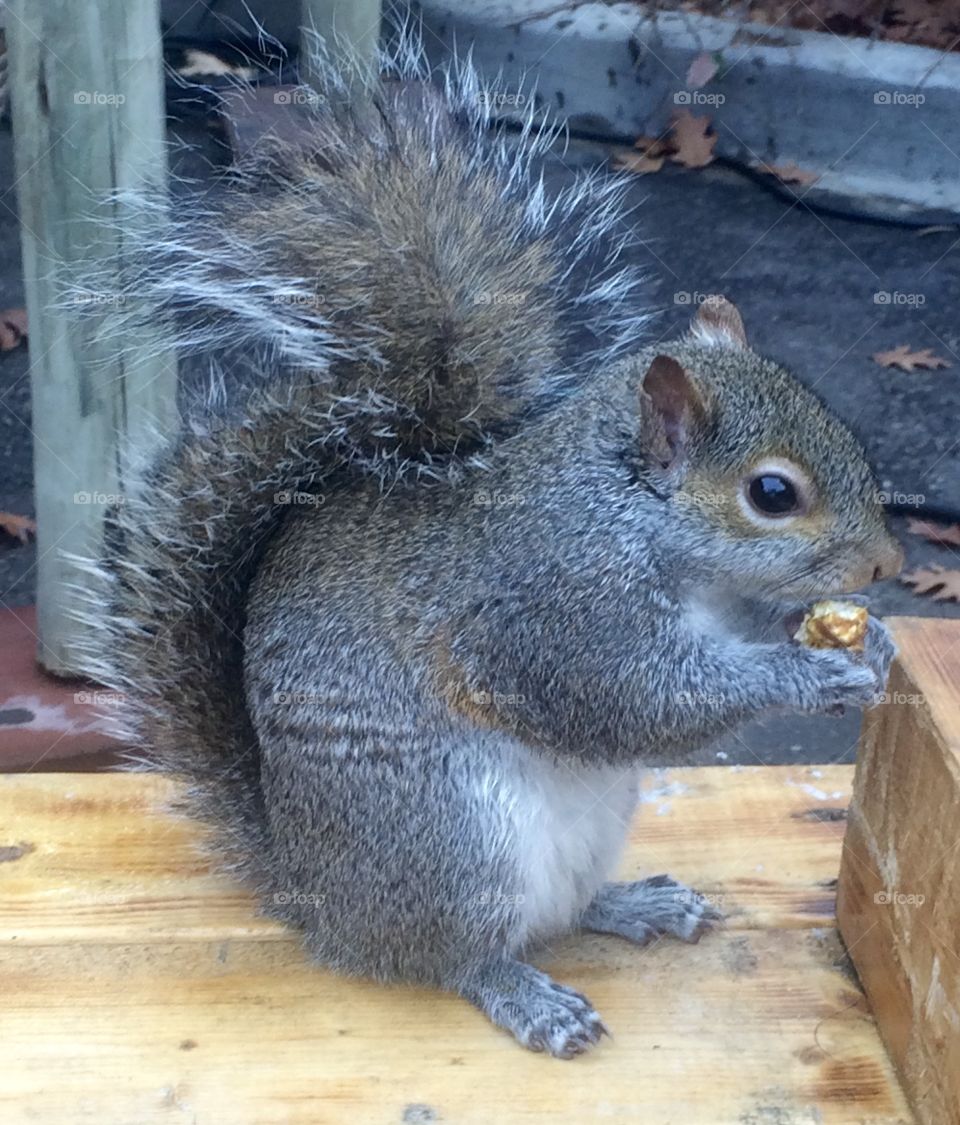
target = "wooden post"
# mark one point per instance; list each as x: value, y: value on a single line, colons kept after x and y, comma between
x: 899, y: 894
x: 87, y: 101
x: 351, y: 30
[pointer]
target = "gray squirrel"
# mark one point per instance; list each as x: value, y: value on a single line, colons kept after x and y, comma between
x: 414, y: 596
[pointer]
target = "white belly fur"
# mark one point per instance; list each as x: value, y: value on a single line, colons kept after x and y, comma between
x: 570, y: 823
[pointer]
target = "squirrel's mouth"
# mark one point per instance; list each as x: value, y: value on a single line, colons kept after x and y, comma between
x: 845, y: 572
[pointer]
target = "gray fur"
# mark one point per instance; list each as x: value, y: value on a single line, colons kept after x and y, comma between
x: 409, y: 614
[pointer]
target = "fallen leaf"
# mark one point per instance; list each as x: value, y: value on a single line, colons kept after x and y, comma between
x: 18, y: 527
x: 648, y: 158
x: 921, y: 17
x: 789, y: 173
x: 626, y: 160
x: 946, y: 533
x: 908, y: 360
x: 198, y: 63
x: 941, y: 584
x: 13, y: 328
x: 701, y: 70
x: 930, y: 23
x: 694, y: 146
x: 655, y: 146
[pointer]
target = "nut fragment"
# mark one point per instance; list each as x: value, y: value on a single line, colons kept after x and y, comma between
x: 834, y: 625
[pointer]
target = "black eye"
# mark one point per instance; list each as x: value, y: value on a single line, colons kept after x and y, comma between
x: 773, y: 495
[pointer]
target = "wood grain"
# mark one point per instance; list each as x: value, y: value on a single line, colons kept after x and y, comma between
x: 86, y: 96
x: 900, y: 880
x: 140, y: 987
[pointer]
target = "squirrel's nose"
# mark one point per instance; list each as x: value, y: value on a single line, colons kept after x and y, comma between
x: 891, y: 563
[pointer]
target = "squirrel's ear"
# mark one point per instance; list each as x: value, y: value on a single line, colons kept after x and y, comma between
x: 671, y: 408
x: 718, y: 323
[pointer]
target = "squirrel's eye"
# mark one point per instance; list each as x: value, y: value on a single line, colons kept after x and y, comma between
x: 773, y: 495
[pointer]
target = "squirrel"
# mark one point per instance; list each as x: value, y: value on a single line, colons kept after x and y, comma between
x: 416, y: 593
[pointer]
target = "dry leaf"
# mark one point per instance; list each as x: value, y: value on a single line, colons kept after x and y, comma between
x: 649, y: 157
x: 626, y: 160
x: 18, y: 527
x: 946, y: 533
x: 941, y: 584
x: 908, y: 360
x: 789, y: 173
x: 923, y: 18
x: 655, y: 146
x: 13, y: 328
x: 701, y: 70
x: 931, y: 23
x: 694, y: 147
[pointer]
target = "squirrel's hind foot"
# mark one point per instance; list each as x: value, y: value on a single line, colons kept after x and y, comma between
x: 646, y: 909
x: 541, y: 1014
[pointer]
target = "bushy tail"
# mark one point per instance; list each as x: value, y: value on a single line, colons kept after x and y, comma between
x: 386, y: 295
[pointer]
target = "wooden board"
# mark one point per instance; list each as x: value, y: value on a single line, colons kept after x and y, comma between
x: 87, y: 101
x: 900, y: 882
x: 141, y: 988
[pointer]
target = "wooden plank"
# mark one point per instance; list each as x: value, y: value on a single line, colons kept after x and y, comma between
x: 95, y: 874
x: 87, y: 102
x: 899, y: 904
x: 762, y: 1029
x: 141, y: 988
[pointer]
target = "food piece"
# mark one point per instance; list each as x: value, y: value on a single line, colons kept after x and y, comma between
x: 834, y: 625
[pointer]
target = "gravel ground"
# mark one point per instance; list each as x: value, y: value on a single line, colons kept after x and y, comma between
x: 817, y: 293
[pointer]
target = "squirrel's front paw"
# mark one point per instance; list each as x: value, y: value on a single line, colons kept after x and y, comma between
x: 830, y: 679
x: 879, y: 650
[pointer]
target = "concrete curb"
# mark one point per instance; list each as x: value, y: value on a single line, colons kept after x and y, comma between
x: 880, y: 122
